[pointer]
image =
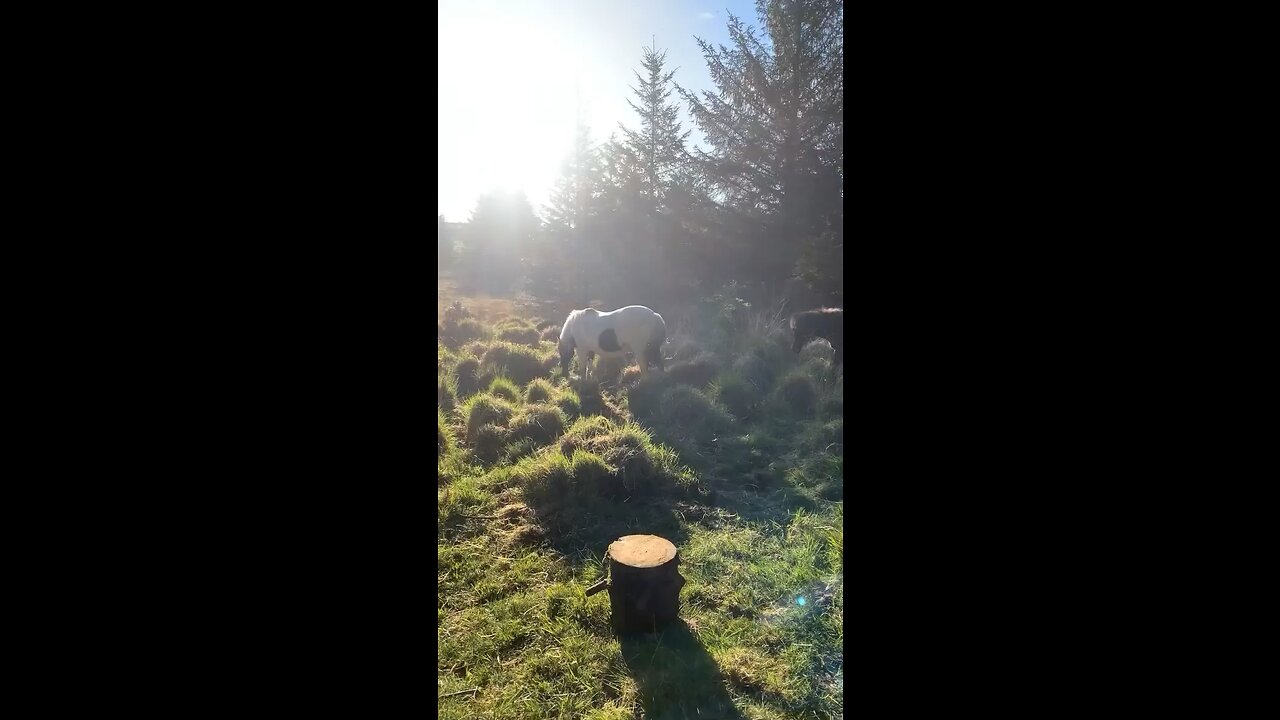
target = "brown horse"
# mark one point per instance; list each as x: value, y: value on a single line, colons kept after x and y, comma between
x: 825, y: 323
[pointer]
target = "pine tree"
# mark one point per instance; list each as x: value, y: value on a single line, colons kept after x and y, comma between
x: 571, y: 201
x: 568, y: 256
x: 658, y: 149
x: 775, y: 126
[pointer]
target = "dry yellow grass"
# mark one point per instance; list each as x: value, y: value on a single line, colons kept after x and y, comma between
x: 486, y: 309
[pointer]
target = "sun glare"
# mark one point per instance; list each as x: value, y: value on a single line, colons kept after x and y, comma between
x: 507, y: 107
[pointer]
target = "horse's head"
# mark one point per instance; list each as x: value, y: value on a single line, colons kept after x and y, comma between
x: 567, y: 343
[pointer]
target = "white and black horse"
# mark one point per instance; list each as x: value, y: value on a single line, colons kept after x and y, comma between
x: 633, y: 329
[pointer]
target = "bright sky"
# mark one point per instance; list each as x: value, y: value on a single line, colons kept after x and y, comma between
x: 514, y: 74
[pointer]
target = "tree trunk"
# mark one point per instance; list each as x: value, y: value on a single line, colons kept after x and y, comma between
x: 644, y: 585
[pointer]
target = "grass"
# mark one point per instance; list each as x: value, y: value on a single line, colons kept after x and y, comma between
x: 735, y: 454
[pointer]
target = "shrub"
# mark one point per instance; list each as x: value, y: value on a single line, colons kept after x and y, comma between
x: 485, y: 410
x: 518, y: 362
x: 503, y: 387
x: 551, y: 334
x: 456, y: 312
x: 541, y: 423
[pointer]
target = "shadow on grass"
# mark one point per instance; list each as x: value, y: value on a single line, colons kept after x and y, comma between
x: 676, y: 676
x: 582, y: 532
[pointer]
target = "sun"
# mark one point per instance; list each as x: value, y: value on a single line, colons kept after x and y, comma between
x: 507, y: 108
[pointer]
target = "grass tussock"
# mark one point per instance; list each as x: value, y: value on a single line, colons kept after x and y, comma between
x: 541, y: 423
x: 446, y: 391
x: 568, y: 401
x: 798, y: 393
x: 565, y: 398
x: 582, y: 430
x: 456, y: 334
x: 466, y: 377
x: 518, y: 332
x: 552, y: 478
x: 444, y: 435
x: 540, y: 390
x: 521, y: 363
x: 736, y: 394
x: 641, y: 466
x: 691, y: 414
x: 489, y: 442
x: 550, y: 334
x: 504, y: 388
x: 484, y: 410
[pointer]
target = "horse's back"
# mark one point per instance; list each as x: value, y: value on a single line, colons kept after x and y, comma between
x: 640, y: 315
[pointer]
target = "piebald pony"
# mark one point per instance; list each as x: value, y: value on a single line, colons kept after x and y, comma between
x: 633, y: 329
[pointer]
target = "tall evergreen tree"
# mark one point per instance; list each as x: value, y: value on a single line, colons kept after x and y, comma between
x: 568, y: 256
x: 572, y: 198
x: 658, y: 149
x: 775, y: 125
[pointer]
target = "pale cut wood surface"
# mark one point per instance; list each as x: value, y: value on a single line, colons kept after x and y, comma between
x: 642, y: 551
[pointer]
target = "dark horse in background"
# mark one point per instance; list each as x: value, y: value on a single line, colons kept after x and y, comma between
x: 825, y: 323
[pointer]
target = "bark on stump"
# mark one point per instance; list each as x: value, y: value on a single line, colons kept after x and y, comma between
x: 644, y: 583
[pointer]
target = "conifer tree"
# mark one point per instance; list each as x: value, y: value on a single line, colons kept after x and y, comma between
x: 658, y: 149
x: 775, y: 127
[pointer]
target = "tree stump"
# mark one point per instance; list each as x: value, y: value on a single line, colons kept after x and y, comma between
x: 644, y: 583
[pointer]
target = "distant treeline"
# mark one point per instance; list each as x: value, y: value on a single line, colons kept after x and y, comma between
x: 644, y: 216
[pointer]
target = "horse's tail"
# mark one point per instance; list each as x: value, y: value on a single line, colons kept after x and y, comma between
x: 653, y: 350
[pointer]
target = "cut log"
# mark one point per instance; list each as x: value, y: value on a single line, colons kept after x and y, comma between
x: 644, y: 583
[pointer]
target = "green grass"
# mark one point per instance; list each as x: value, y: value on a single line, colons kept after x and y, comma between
x: 506, y: 389
x: 736, y: 456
